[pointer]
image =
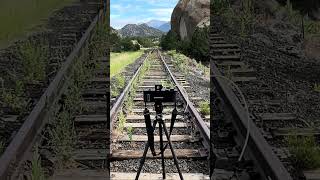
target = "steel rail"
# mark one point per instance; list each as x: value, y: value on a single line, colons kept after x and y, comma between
x: 20, y: 147
x: 116, y: 107
x: 258, y: 148
x: 204, y: 129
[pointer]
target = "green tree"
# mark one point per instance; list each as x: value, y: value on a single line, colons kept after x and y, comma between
x: 127, y: 44
x: 145, y: 41
x: 115, y: 42
x: 169, y: 41
x: 200, y: 44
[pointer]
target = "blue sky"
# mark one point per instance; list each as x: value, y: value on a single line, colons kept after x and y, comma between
x: 138, y: 11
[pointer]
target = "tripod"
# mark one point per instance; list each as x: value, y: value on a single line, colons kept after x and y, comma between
x: 150, y: 143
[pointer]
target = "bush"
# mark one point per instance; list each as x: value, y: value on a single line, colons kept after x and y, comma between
x: 219, y: 6
x: 184, y: 47
x: 200, y: 44
x: 305, y: 151
x: 127, y: 45
x: 145, y: 42
x: 136, y: 47
x: 169, y: 41
x: 34, y: 57
x: 15, y: 99
x: 205, y: 108
x: 197, y: 47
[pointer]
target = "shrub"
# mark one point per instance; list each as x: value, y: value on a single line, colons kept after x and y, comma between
x: 305, y: 151
x: 219, y: 6
x: 34, y: 60
x: 184, y: 47
x: 200, y: 44
x: 169, y: 41
x: 15, y: 99
x: 205, y: 108
x: 145, y: 41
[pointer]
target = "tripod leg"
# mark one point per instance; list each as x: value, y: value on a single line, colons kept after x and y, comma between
x: 172, y: 151
x: 143, y: 159
x: 162, y: 152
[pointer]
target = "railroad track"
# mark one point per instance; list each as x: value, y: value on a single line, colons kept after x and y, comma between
x: 190, y: 136
x: 31, y: 135
x: 262, y: 113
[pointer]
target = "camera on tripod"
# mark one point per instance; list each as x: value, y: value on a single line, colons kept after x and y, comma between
x: 159, y: 95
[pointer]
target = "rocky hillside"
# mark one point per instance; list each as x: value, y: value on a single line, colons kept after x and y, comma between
x: 188, y: 15
x: 142, y: 30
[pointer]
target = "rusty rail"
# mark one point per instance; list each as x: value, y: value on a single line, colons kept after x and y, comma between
x: 116, y: 107
x: 257, y: 149
x: 204, y: 129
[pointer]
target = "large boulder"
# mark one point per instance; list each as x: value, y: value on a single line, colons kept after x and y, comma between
x: 188, y: 15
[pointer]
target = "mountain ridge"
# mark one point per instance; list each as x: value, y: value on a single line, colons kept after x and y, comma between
x: 164, y: 26
x: 141, y: 30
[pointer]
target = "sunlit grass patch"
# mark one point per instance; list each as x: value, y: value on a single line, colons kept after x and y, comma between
x: 120, y: 60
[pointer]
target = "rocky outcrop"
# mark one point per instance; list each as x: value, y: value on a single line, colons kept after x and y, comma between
x: 188, y: 15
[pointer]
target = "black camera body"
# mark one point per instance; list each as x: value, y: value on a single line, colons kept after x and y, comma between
x: 159, y: 95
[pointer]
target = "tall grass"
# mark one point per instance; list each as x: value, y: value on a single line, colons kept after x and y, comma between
x: 19, y: 16
x: 120, y: 60
x: 36, y: 168
x: 117, y: 85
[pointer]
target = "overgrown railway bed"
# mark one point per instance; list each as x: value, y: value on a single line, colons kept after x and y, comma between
x: 190, y: 136
x: 241, y: 103
x: 29, y: 152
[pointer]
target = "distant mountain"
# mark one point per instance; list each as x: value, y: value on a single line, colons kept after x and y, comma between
x: 165, y: 27
x: 133, y: 30
x: 156, y: 23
